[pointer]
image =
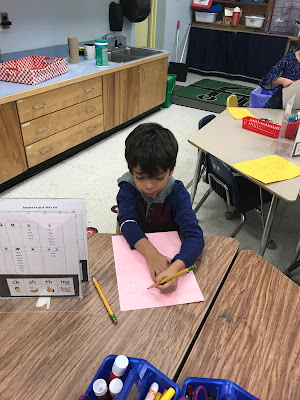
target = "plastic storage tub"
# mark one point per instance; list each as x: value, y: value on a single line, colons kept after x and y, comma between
x: 207, y: 17
x: 254, y: 21
x: 142, y: 374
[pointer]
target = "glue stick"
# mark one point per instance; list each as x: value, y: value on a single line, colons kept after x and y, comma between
x: 100, y: 389
x: 115, y: 387
x: 152, y: 391
x: 119, y: 367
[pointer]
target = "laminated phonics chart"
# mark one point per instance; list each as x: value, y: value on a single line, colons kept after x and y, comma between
x: 43, y: 247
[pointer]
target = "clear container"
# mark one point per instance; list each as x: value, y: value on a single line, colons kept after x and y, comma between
x: 206, y: 17
x: 254, y: 21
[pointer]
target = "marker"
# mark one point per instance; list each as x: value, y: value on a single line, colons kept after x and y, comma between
x: 168, y: 395
x: 157, y: 396
x: 109, y: 310
x: 184, y: 271
x: 152, y: 391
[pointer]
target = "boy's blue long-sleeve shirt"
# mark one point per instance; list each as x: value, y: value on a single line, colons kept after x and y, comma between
x: 170, y: 210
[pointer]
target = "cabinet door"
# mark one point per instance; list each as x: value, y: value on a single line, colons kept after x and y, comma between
x: 153, y: 81
x: 129, y: 89
x: 12, y: 154
x: 111, y: 100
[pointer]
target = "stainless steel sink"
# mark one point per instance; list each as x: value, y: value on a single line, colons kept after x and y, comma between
x: 127, y: 54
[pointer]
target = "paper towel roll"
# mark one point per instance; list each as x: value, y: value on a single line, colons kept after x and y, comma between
x: 73, y: 50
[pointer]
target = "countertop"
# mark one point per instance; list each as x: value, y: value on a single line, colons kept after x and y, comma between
x: 10, y: 91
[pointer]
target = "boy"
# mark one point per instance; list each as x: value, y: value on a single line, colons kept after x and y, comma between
x: 151, y: 200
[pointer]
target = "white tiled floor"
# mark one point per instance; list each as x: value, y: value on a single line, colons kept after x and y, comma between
x: 92, y: 175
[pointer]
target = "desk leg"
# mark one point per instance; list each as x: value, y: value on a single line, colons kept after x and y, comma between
x: 196, y: 177
x: 268, y: 225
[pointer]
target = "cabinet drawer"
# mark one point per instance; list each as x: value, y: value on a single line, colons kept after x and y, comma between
x: 47, y: 125
x: 62, y: 141
x: 48, y: 102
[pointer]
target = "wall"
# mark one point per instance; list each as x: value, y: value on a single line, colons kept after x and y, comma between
x: 41, y: 23
x: 176, y: 10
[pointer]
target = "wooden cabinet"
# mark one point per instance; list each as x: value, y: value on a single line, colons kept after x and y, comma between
x: 12, y: 155
x: 36, y: 128
x: 133, y: 91
x: 55, y: 121
x: 153, y: 81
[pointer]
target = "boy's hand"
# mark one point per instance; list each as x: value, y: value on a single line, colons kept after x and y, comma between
x: 171, y: 285
x: 157, y: 263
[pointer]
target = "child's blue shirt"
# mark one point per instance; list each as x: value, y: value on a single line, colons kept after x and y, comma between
x: 170, y: 210
x: 288, y: 67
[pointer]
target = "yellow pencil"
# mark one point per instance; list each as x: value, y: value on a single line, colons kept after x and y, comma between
x: 184, y: 271
x: 109, y: 310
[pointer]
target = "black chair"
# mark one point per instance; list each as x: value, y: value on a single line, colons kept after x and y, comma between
x: 237, y: 191
x: 295, y: 263
x: 200, y: 167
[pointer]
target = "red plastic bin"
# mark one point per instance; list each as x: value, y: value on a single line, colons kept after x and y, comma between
x: 261, y: 126
x: 291, y: 129
x: 32, y: 70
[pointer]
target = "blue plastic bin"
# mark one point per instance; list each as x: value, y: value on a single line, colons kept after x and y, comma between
x: 141, y: 373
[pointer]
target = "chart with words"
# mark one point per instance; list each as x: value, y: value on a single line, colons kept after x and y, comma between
x: 38, y: 244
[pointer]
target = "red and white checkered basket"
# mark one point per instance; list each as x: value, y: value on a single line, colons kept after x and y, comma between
x: 32, y: 69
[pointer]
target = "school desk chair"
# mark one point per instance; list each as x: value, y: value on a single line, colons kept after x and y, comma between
x: 237, y: 191
x: 200, y: 165
x: 295, y: 263
x: 232, y: 101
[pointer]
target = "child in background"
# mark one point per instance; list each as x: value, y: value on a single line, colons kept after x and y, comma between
x: 282, y: 75
x: 151, y: 200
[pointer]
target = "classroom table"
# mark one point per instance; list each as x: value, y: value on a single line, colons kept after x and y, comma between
x: 55, y: 353
x: 252, y: 335
x: 225, y: 138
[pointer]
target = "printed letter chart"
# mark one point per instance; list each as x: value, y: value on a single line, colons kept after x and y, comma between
x: 38, y: 254
x: 133, y: 276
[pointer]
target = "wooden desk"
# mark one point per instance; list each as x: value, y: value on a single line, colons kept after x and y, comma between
x: 225, y: 138
x: 55, y: 355
x: 252, y: 335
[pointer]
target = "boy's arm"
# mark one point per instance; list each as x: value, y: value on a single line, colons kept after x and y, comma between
x: 136, y: 238
x: 127, y: 218
x: 185, y: 217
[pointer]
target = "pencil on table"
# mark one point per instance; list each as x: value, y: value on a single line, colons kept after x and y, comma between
x: 105, y: 302
x: 184, y: 271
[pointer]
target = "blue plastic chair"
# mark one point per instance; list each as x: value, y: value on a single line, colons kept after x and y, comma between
x: 237, y: 191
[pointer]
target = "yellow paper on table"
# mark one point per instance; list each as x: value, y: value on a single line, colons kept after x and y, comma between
x: 269, y: 169
x: 239, y: 112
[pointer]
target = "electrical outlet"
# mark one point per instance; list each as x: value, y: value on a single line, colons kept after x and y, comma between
x: 4, y: 21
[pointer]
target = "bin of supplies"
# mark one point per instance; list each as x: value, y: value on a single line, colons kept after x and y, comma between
x: 171, y: 80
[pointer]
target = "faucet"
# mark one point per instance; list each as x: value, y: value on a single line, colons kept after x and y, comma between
x: 120, y: 41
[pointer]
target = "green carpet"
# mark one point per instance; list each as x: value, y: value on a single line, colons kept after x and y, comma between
x: 215, y: 92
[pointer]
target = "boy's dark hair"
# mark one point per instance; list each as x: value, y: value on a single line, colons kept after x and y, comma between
x: 152, y: 147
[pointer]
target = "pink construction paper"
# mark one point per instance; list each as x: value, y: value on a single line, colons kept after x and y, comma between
x: 133, y: 276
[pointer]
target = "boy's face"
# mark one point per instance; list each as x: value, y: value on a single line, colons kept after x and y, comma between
x: 151, y: 187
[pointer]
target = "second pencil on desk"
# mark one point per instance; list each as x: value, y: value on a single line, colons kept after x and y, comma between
x: 184, y: 271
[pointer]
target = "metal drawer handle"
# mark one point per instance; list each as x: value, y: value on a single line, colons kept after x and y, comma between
x: 46, y: 151
x: 43, y: 130
x: 89, y: 90
x: 144, y: 73
x: 93, y: 129
x: 38, y: 107
x: 91, y: 110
